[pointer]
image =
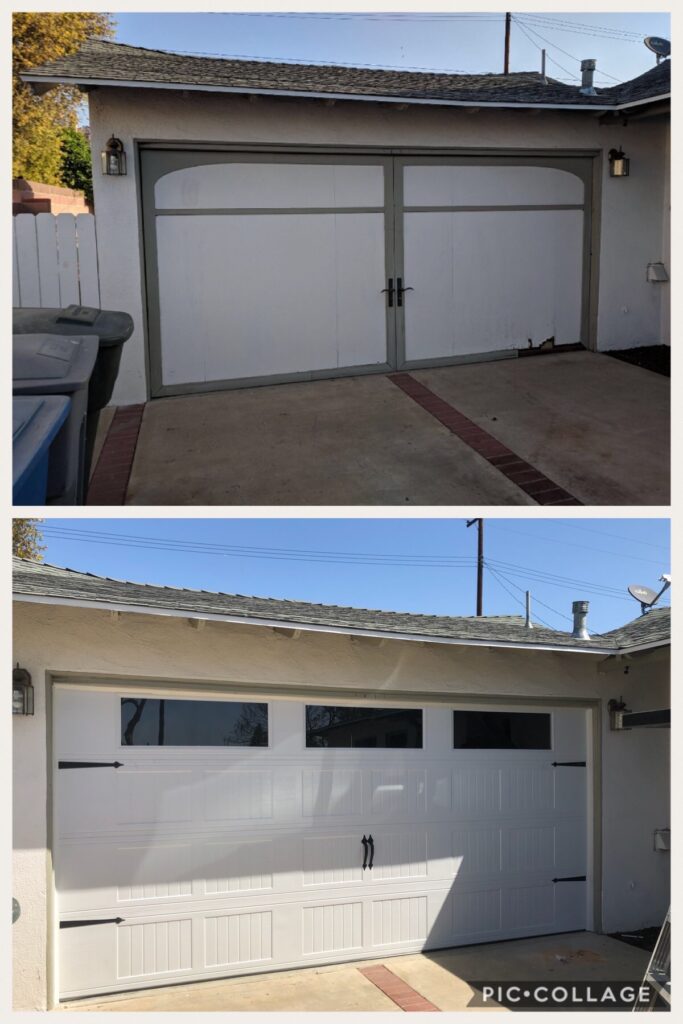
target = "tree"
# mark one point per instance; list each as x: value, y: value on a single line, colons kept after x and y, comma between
x: 39, y: 121
x: 76, y: 170
x: 26, y: 538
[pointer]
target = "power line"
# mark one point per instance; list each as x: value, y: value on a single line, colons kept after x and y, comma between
x: 585, y: 547
x: 422, y: 561
x: 617, y: 536
x: 316, y: 62
x: 551, y: 59
x: 514, y: 596
x: 556, y: 47
x: 582, y: 28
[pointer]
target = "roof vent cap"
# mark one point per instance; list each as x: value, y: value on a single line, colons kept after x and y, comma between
x: 587, y: 72
x: 580, y: 611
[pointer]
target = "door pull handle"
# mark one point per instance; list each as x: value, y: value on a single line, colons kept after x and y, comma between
x: 365, y: 852
x: 371, y: 841
x: 400, y: 290
x: 390, y: 290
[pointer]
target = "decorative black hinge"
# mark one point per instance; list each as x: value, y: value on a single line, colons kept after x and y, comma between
x: 571, y: 878
x: 89, y: 764
x: 98, y: 920
x: 569, y: 764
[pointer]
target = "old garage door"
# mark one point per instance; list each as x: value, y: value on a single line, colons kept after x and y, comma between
x: 268, y: 267
x: 198, y: 837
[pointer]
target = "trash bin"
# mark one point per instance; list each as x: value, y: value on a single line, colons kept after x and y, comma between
x: 36, y: 421
x: 112, y: 327
x: 47, y: 364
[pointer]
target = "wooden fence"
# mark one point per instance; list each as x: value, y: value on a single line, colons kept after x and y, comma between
x: 55, y: 260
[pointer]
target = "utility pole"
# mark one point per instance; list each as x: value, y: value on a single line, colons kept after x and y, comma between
x: 508, y: 23
x: 480, y: 563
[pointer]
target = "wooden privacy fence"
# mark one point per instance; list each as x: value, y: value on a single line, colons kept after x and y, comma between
x: 55, y: 260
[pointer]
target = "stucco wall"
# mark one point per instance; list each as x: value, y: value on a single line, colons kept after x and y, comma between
x: 59, y: 640
x: 630, y: 311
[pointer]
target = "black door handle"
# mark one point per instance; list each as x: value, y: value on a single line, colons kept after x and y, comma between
x: 90, y: 764
x: 365, y: 852
x: 99, y: 920
x: 372, y: 851
x: 400, y: 290
x: 390, y: 290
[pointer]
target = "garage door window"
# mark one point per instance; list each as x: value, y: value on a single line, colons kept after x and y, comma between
x: 328, y: 726
x: 149, y: 722
x: 501, y: 730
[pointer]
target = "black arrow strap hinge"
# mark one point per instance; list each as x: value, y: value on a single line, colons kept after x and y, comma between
x: 571, y: 878
x: 569, y: 764
x: 97, y: 920
x: 89, y: 764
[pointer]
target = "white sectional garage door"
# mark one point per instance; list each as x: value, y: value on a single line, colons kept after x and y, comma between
x: 211, y: 836
x: 271, y: 267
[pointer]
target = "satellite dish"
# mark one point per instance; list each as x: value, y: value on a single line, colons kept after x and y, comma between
x: 642, y: 594
x: 662, y: 47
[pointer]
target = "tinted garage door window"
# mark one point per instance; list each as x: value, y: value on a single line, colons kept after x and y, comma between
x: 328, y: 726
x: 501, y: 730
x: 192, y: 723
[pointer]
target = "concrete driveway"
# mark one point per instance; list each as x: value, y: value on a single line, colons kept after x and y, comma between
x: 447, y: 979
x: 569, y: 428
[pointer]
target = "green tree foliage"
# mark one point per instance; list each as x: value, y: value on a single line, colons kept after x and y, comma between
x: 76, y: 171
x: 26, y: 538
x: 39, y: 121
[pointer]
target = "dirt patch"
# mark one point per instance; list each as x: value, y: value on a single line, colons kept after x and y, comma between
x: 650, y: 357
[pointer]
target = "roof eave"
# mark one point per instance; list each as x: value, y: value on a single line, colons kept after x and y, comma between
x: 244, y: 620
x: 85, y: 83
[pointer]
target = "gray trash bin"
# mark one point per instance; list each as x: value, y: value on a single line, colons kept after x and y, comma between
x: 112, y: 327
x: 46, y: 364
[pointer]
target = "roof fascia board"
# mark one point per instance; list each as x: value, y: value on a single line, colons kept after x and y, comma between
x: 299, y: 94
x: 317, y: 628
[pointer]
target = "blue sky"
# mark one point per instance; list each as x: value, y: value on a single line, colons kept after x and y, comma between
x: 458, y: 42
x: 354, y: 561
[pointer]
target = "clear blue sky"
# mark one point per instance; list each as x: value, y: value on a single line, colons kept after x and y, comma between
x: 457, y: 42
x: 320, y: 560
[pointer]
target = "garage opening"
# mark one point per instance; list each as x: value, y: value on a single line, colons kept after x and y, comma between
x: 212, y: 836
x: 268, y: 267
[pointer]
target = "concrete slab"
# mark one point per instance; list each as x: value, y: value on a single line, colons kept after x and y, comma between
x: 597, y: 426
x: 352, y: 441
x: 448, y: 978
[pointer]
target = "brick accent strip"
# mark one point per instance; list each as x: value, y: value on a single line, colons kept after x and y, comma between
x: 109, y: 481
x: 399, y: 991
x: 529, y: 479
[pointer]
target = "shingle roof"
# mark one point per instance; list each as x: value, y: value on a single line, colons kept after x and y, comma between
x: 33, y: 579
x: 100, y: 60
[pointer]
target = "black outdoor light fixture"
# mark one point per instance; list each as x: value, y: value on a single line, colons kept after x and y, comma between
x: 618, y: 163
x: 22, y: 692
x: 114, y: 157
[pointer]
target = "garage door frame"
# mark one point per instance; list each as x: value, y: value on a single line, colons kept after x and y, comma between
x: 155, y: 686
x: 590, y: 173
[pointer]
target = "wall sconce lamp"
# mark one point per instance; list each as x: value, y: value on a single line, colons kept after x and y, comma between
x: 114, y: 157
x: 22, y: 692
x: 618, y: 163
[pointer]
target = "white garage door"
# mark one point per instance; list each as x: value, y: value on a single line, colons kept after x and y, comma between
x: 283, y: 267
x: 205, y: 837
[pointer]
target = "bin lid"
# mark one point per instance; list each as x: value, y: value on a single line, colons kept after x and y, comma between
x: 111, y: 326
x: 35, y: 421
x: 52, y: 364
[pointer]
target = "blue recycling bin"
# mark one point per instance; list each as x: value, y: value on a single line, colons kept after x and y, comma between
x: 36, y: 421
x: 48, y: 364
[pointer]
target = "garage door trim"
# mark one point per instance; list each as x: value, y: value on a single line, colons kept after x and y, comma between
x: 585, y: 163
x: 460, y: 700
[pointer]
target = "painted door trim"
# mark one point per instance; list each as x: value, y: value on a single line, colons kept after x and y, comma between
x: 585, y: 163
x: 80, y: 680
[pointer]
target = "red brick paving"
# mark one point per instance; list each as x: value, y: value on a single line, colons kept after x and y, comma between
x: 529, y: 479
x: 399, y: 991
x: 109, y: 480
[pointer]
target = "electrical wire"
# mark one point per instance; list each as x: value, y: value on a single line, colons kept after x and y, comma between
x: 540, y: 48
x: 514, y: 596
x: 315, y: 62
x: 520, y: 21
x: 585, y: 547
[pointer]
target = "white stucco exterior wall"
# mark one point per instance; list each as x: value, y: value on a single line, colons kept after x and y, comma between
x: 52, y: 640
x: 629, y: 309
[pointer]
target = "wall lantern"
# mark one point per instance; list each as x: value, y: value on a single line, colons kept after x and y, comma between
x: 22, y: 692
x: 114, y: 157
x: 618, y: 163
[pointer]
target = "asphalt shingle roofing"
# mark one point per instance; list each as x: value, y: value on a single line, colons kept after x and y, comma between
x: 100, y: 60
x: 35, y: 579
